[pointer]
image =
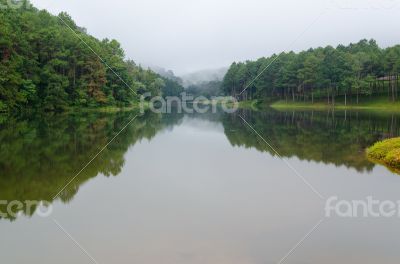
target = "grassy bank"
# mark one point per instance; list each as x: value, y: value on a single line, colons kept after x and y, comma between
x: 254, y: 104
x: 386, y: 152
x: 106, y: 109
x: 381, y: 103
x: 109, y: 109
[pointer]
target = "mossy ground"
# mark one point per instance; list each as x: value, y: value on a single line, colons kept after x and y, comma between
x: 381, y: 103
x: 254, y: 104
x: 386, y: 152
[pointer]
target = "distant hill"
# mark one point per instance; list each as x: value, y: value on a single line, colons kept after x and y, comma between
x: 204, y: 76
x: 169, y: 74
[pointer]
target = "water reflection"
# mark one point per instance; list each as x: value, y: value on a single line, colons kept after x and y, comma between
x: 330, y: 137
x: 40, y: 154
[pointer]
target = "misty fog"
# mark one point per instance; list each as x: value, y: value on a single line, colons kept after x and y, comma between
x: 187, y: 36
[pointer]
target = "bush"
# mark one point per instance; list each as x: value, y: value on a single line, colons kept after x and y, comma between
x: 387, y: 152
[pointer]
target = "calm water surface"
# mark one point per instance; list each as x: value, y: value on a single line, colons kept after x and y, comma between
x: 200, y: 189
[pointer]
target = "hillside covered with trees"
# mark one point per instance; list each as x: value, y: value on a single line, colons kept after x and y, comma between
x: 361, y: 69
x: 207, y: 89
x: 48, y: 62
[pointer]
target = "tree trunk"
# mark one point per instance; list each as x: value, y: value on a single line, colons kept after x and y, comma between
x: 357, y: 95
x: 312, y: 95
x: 388, y: 90
x: 392, y: 86
x: 286, y: 94
x: 293, y: 93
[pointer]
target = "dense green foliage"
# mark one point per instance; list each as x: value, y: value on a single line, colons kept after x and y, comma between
x: 323, y: 73
x: 207, y: 89
x: 49, y: 62
x: 386, y: 152
x: 171, y: 87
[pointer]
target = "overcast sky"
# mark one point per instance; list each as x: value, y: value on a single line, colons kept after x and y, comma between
x: 189, y: 35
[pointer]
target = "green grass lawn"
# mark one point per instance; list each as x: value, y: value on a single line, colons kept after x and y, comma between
x: 382, y: 103
x: 253, y: 104
x: 386, y: 152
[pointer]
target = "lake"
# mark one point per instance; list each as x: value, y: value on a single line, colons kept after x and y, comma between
x: 248, y: 187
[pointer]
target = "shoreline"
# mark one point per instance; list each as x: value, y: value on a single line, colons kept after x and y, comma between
x: 390, y: 107
x: 387, y: 153
x: 373, y: 104
x: 106, y: 109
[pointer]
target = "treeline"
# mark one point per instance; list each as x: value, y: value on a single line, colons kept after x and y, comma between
x: 207, y: 89
x: 322, y: 73
x: 44, y: 64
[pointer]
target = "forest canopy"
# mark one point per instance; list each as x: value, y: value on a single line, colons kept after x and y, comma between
x: 49, y: 62
x: 358, y: 69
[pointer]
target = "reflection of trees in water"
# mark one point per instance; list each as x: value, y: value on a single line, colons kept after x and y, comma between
x: 338, y: 138
x: 39, y: 155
